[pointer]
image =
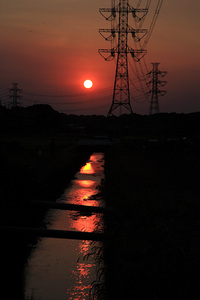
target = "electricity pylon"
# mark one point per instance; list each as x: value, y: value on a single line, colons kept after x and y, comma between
x: 14, y: 95
x: 121, y: 93
x: 155, y: 91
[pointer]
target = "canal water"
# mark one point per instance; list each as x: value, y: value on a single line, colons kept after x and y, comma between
x: 63, y: 269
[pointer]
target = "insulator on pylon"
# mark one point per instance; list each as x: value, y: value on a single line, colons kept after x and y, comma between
x: 113, y: 12
x: 133, y: 34
x: 133, y: 54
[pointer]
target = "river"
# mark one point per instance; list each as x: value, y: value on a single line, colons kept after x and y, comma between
x: 62, y: 269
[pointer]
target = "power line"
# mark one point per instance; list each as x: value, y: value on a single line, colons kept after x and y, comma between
x: 153, y: 22
x: 121, y: 29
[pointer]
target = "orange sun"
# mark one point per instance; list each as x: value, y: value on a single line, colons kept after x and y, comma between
x: 88, y: 84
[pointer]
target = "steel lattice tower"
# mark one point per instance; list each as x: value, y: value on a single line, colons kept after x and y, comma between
x: 155, y: 91
x: 14, y: 95
x: 121, y: 93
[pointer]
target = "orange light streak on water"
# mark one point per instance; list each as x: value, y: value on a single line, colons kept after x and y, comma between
x: 87, y: 169
x: 59, y: 268
x: 85, y: 183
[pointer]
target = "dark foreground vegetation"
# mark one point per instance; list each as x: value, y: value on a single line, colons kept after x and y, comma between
x: 152, y: 183
x: 153, y: 242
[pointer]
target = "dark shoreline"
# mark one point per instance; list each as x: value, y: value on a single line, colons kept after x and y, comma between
x: 18, y: 212
x: 152, y: 183
x: 153, y: 245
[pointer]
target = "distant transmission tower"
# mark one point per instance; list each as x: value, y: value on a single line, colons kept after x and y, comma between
x: 15, y: 95
x: 121, y: 93
x: 155, y: 83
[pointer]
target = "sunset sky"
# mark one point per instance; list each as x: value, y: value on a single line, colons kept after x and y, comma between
x: 50, y: 47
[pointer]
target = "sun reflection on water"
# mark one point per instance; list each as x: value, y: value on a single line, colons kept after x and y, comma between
x: 87, y: 169
x: 59, y: 269
x: 82, y: 274
x: 84, y: 193
x: 86, y: 183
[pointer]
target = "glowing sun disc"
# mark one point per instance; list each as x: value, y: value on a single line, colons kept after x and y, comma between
x: 88, y: 84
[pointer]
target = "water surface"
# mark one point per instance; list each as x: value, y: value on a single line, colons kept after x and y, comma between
x: 58, y: 268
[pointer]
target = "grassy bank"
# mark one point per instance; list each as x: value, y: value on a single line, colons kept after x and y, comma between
x: 36, y: 167
x: 30, y: 170
x: 153, y: 237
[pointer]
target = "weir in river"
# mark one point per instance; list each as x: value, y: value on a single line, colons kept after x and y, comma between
x: 62, y: 269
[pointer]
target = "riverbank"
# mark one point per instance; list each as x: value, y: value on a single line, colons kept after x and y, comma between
x: 153, y: 245
x: 32, y: 168
x: 36, y: 167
